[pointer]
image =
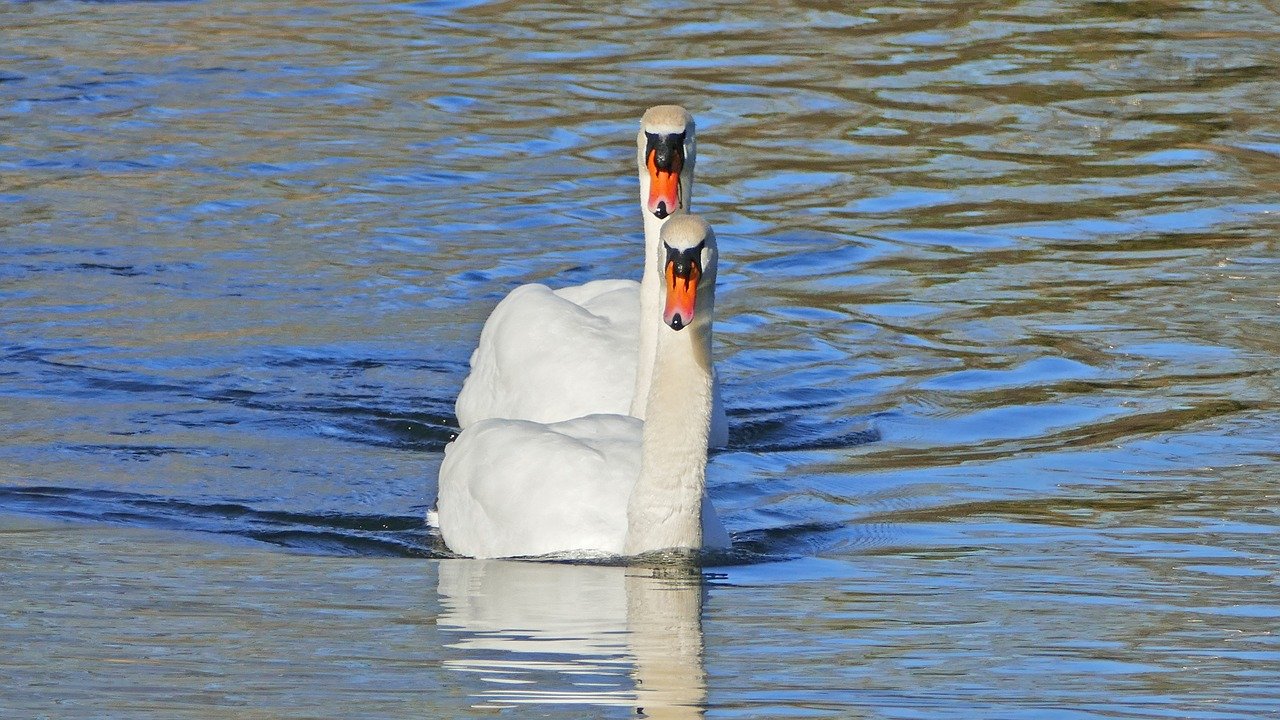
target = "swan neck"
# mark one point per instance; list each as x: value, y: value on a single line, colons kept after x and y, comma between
x: 650, y: 280
x: 650, y: 289
x: 665, y: 509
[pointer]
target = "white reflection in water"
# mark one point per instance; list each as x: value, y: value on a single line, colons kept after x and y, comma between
x: 577, y: 634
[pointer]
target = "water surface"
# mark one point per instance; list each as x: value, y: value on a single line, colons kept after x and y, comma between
x: 997, y: 329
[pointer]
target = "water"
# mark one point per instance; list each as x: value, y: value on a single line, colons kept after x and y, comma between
x: 997, y: 329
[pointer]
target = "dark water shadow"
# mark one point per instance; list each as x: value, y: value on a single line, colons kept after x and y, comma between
x: 311, y: 533
x: 362, y: 413
x: 347, y: 534
x: 377, y: 416
x: 808, y: 426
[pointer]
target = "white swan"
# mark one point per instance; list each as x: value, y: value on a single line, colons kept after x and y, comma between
x: 603, y: 484
x: 549, y: 355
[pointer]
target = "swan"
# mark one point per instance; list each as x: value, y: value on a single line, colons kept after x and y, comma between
x: 549, y: 355
x: 603, y: 484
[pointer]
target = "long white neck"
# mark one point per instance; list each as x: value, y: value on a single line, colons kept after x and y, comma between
x: 665, y: 509
x: 650, y: 288
x: 650, y: 281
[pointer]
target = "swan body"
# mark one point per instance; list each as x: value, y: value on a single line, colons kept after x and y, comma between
x: 549, y: 355
x: 515, y: 488
x: 580, y: 340
x: 603, y: 484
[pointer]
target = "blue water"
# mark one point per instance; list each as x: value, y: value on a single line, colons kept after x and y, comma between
x: 996, y: 326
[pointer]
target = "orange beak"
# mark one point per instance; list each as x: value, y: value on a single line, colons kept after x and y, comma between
x: 682, y: 296
x: 664, y: 185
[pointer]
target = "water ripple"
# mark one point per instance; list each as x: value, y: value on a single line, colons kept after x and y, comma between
x: 996, y: 325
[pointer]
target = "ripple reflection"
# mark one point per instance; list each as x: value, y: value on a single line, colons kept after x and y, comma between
x: 577, y: 634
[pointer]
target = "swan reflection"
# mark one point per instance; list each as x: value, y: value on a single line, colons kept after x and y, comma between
x: 576, y: 634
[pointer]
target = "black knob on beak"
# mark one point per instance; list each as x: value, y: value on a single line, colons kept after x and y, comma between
x: 666, y: 150
x: 662, y: 155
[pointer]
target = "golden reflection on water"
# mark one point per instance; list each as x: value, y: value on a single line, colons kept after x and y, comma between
x: 518, y: 622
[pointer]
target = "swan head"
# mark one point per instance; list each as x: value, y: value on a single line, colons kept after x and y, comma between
x: 688, y: 256
x: 666, y: 151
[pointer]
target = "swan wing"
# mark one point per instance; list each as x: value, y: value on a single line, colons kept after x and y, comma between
x: 513, y: 488
x: 550, y: 355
